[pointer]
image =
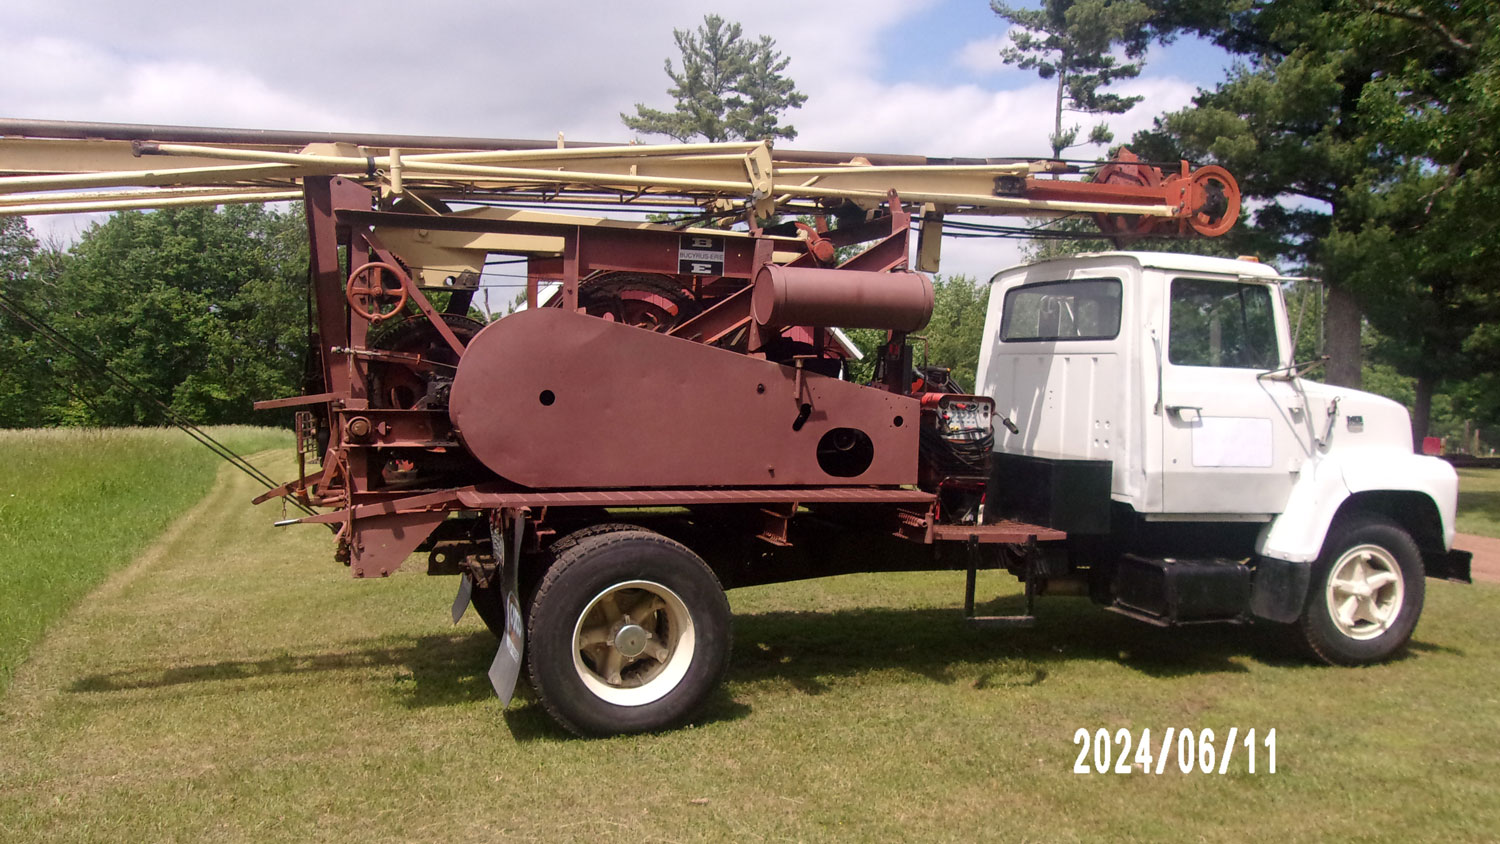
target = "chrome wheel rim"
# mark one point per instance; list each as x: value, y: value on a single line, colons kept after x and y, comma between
x: 1365, y: 590
x: 633, y: 643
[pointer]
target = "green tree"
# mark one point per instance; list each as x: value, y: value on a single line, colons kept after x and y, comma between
x: 956, y: 331
x: 1424, y: 264
x: 1285, y: 125
x: 23, y: 377
x: 729, y: 88
x: 954, y: 335
x: 1073, y: 41
x: 204, y: 308
x: 1368, y: 130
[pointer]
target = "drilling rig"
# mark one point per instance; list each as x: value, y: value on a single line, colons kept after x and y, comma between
x: 669, y: 414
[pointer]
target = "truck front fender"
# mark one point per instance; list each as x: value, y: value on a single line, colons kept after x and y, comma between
x: 1296, y: 535
x: 1382, y: 482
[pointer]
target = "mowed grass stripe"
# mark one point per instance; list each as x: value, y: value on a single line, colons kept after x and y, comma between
x: 78, y: 504
x: 1479, y: 501
x: 243, y: 688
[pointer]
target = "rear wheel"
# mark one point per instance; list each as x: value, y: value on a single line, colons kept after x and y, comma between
x: 1366, y: 594
x: 490, y: 603
x: 629, y: 632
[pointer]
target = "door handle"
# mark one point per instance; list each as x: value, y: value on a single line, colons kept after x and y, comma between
x: 1181, y: 411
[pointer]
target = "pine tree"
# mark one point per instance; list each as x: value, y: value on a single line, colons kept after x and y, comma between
x: 1073, y: 41
x: 729, y: 88
x: 1367, y: 132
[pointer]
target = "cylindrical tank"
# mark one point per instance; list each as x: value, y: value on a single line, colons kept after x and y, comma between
x: 898, y: 301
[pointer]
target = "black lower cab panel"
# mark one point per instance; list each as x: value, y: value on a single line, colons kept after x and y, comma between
x: 1168, y: 591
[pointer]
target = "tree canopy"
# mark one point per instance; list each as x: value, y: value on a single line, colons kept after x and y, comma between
x: 953, y: 336
x: 1367, y: 131
x: 20, y: 382
x: 204, y: 308
x: 728, y: 88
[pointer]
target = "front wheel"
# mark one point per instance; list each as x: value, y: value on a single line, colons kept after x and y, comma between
x: 1366, y: 594
x: 629, y: 632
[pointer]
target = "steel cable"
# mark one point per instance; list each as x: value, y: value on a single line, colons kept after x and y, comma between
x: 99, y: 367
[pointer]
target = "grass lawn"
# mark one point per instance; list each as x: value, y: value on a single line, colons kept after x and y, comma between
x: 76, y: 505
x: 1479, y: 501
x: 235, y: 684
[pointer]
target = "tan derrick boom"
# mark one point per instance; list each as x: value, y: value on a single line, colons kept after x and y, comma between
x: 691, y: 374
x: 51, y: 167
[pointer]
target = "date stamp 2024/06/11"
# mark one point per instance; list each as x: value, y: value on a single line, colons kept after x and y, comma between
x: 1188, y: 751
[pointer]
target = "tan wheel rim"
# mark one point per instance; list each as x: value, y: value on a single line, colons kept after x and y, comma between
x: 1365, y: 591
x: 633, y: 643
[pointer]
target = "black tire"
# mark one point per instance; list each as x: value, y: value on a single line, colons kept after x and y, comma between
x: 1341, y: 625
x: 490, y: 606
x: 684, y: 618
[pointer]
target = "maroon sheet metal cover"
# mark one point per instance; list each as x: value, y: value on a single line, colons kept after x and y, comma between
x: 552, y: 399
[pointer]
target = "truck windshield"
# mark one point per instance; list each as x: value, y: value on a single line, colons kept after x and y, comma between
x: 1081, y: 309
x: 1221, y: 323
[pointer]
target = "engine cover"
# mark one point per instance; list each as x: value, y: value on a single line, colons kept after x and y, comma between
x: 547, y: 398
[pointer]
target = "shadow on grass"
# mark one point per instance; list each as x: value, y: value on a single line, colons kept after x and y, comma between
x: 530, y: 722
x: 441, y: 670
x: 1429, y: 648
x: 807, y: 650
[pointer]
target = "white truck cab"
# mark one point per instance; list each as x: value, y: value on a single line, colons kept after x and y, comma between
x: 1173, y: 374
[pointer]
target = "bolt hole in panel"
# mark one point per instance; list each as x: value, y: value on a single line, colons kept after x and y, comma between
x: 639, y: 409
x: 547, y: 398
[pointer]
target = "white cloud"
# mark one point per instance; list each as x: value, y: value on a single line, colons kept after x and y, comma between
x: 983, y: 55
x: 62, y: 230
x: 1162, y: 94
x: 961, y: 120
x: 454, y: 67
x: 64, y: 79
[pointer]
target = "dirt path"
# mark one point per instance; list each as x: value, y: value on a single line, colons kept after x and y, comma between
x: 1486, y: 555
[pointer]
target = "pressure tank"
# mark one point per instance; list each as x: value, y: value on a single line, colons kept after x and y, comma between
x: 898, y: 301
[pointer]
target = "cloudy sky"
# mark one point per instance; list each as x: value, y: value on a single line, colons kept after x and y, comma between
x: 899, y: 76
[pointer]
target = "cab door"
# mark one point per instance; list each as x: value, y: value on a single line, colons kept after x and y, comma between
x: 1232, y: 438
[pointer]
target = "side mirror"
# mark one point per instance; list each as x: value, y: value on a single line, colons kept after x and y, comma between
x: 1295, y: 371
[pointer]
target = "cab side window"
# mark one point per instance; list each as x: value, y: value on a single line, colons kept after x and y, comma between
x: 1223, y: 324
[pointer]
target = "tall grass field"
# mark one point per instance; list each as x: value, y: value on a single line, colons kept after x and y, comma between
x: 77, y: 504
